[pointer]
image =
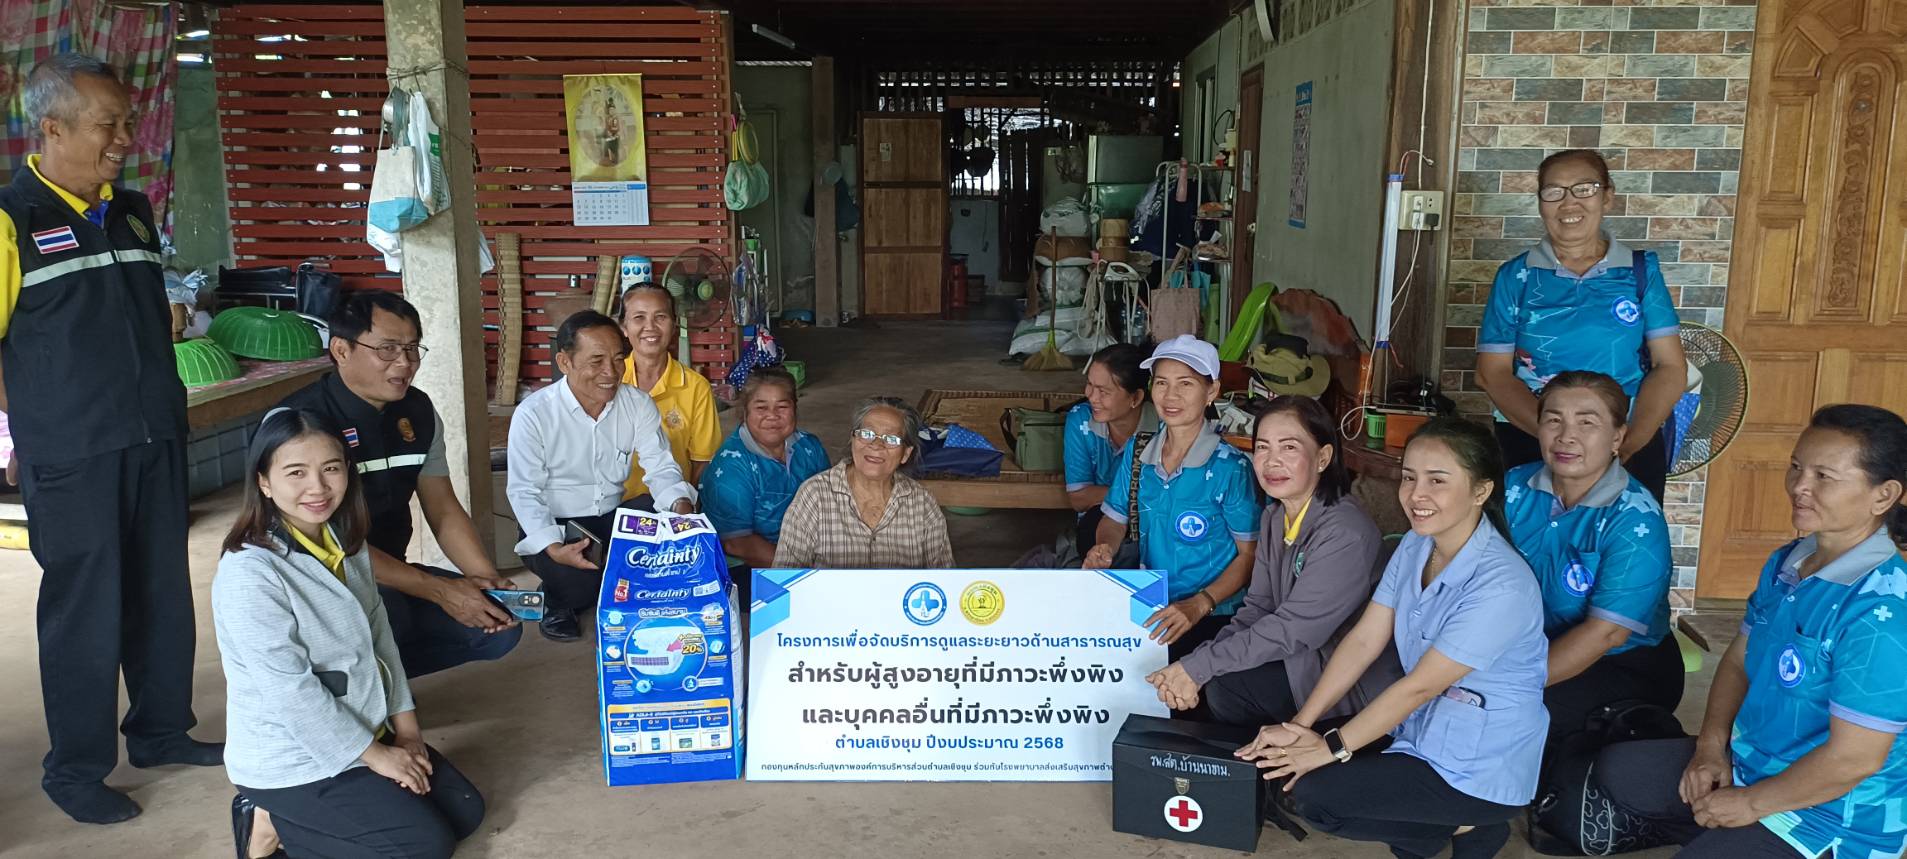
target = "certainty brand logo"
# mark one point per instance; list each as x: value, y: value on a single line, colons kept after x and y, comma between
x: 674, y: 561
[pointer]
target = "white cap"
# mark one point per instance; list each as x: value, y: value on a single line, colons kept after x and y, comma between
x: 1189, y: 350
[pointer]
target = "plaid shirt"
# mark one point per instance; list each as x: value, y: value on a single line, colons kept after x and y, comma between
x: 823, y: 530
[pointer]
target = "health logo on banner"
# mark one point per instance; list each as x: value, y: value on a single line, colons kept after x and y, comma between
x: 947, y: 675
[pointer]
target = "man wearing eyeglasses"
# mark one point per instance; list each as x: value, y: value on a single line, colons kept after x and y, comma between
x: 395, y: 439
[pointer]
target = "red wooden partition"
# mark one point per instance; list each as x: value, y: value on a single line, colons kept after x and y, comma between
x: 300, y: 88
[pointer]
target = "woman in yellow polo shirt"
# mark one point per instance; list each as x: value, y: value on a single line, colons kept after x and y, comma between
x: 685, y: 399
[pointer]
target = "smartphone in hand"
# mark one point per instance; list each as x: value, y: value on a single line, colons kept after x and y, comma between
x: 525, y: 605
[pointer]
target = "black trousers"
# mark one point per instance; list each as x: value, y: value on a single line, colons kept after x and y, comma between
x: 358, y: 813
x: 1649, y: 466
x: 109, y: 534
x: 566, y: 588
x: 1651, y: 675
x: 430, y: 640
x: 1400, y: 801
x: 1255, y: 697
x: 1644, y: 776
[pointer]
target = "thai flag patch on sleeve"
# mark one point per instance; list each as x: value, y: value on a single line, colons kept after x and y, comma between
x: 54, y: 241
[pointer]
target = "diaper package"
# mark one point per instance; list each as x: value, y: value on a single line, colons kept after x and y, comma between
x: 668, y: 653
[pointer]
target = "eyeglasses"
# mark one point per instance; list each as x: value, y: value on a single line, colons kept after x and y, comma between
x: 1580, y: 190
x: 388, y: 352
x: 870, y: 436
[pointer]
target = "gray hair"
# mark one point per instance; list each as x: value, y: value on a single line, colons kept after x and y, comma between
x: 49, y: 90
x: 910, y: 425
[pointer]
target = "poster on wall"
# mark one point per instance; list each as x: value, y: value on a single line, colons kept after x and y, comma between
x: 608, y: 163
x: 1300, y: 155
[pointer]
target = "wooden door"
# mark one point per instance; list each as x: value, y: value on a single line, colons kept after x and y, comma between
x: 1251, y: 100
x: 904, y: 213
x: 1817, y: 296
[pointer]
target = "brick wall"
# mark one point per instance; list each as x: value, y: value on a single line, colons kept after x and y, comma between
x: 1660, y: 88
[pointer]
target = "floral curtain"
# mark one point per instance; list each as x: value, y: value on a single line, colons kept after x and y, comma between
x: 135, y: 37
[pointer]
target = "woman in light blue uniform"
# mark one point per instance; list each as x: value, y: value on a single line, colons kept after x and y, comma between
x: 1801, y: 752
x: 1577, y: 301
x: 747, y: 487
x: 1198, y: 505
x: 1600, y: 548
x: 1461, y: 734
x: 1098, y: 428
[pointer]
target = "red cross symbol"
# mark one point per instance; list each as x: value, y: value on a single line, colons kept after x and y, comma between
x: 1182, y: 813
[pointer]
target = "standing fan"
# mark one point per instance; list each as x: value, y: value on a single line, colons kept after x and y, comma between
x: 1711, y: 411
x: 698, y: 280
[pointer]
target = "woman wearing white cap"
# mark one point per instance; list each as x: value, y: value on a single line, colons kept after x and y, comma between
x: 1196, y: 506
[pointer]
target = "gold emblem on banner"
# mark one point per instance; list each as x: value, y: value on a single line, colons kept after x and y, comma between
x: 982, y: 603
x: 1182, y: 785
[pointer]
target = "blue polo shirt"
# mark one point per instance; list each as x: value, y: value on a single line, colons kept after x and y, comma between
x: 1189, y: 520
x: 1091, y: 460
x: 1553, y: 321
x: 1831, y: 646
x: 746, y: 491
x: 1606, y: 558
x: 1485, y: 734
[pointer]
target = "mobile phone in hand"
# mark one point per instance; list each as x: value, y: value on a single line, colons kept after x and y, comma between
x: 525, y: 605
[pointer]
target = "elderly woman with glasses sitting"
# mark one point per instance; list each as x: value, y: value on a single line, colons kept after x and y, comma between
x: 864, y: 513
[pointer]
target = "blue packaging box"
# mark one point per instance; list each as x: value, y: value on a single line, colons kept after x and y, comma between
x: 668, y: 655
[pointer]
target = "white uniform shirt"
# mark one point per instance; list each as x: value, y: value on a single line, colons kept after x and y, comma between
x: 564, y: 464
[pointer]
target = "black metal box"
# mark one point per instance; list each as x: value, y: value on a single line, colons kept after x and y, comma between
x: 1179, y: 780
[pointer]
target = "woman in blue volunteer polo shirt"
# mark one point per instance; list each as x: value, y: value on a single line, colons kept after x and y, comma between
x: 1600, y: 549
x: 1462, y: 732
x: 755, y: 473
x: 1800, y: 752
x: 1198, y: 508
x: 1098, y: 428
x: 1577, y: 302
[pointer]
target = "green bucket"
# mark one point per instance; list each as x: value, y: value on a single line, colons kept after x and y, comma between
x: 797, y: 369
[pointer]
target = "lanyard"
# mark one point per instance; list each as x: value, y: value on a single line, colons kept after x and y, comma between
x: 1292, y: 525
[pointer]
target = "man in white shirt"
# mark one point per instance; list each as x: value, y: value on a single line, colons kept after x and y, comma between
x: 570, y: 445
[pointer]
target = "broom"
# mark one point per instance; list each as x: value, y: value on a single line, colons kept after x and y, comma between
x: 1049, y: 357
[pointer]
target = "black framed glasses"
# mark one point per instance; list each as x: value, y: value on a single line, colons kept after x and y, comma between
x: 1580, y: 190
x: 388, y: 352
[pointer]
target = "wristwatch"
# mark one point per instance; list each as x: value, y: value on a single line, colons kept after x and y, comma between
x: 1335, y: 745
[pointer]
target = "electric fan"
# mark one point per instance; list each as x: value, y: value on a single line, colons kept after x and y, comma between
x: 1709, y: 414
x: 698, y: 280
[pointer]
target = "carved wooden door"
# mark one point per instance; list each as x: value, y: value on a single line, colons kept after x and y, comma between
x: 1817, y: 295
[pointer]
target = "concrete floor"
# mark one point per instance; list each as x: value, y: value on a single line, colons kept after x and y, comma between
x: 525, y: 732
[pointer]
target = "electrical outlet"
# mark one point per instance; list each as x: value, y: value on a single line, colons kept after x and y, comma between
x: 1420, y: 210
